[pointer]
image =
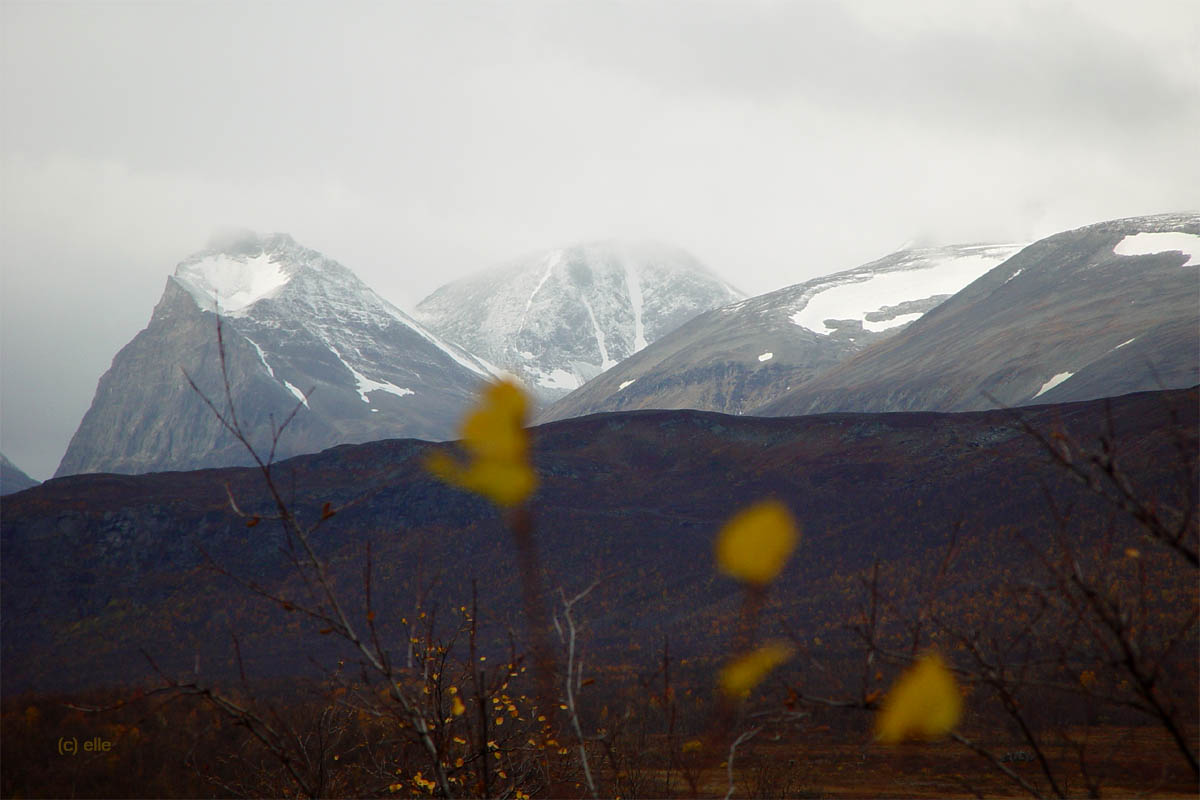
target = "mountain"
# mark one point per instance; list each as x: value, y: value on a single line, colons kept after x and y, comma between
x: 100, y: 567
x: 742, y: 355
x: 1107, y: 309
x: 12, y: 477
x: 301, y: 333
x: 559, y: 319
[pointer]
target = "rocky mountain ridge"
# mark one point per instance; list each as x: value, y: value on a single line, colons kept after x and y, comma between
x: 303, y: 338
x: 558, y: 319
x: 1099, y: 311
x: 13, y: 478
x: 741, y: 355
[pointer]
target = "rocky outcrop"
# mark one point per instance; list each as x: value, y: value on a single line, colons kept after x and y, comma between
x: 305, y: 342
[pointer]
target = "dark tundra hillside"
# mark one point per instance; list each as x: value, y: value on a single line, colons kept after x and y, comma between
x: 99, y: 567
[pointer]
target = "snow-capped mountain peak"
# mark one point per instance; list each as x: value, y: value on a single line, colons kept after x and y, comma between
x: 232, y: 283
x: 559, y: 318
x: 302, y: 334
x: 746, y: 352
x: 237, y: 270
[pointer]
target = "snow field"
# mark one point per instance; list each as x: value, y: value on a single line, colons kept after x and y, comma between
x: 1143, y: 244
x: 233, y: 282
x: 1055, y: 381
x: 872, y: 291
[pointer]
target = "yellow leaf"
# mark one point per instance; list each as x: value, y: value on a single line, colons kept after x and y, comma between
x: 424, y: 783
x: 497, y: 446
x: 924, y: 703
x: 457, y: 707
x: 756, y: 543
x: 743, y: 674
x: 692, y: 746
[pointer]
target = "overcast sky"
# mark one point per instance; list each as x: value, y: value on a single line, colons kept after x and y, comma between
x: 417, y: 142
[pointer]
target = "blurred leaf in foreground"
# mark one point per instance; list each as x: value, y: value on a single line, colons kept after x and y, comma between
x: 497, y: 445
x: 756, y: 543
x: 924, y: 703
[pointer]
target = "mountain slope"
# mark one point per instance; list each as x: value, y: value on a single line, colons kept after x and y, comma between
x: 558, y: 319
x: 301, y: 333
x: 1098, y: 311
x: 12, y: 477
x: 737, y: 357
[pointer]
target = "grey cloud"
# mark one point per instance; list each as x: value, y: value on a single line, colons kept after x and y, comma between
x: 1058, y: 64
x: 418, y: 141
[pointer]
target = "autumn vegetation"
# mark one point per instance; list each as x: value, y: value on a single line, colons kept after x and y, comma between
x: 1077, y: 678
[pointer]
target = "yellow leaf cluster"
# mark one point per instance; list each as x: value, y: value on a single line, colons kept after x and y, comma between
x: 424, y: 783
x: 924, y: 703
x: 497, y: 445
x: 756, y: 543
x: 744, y: 673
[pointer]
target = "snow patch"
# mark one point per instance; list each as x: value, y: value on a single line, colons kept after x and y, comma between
x: 872, y: 291
x: 486, y: 370
x: 1015, y: 274
x: 1143, y: 244
x: 552, y: 259
x: 291, y: 387
x: 1055, y: 381
x: 605, y: 361
x: 635, y: 300
x: 558, y: 379
x: 261, y: 356
x: 232, y: 283
x: 625, y: 383
x: 1122, y: 344
x: 296, y: 391
x: 766, y: 356
x: 492, y: 370
x: 365, y: 384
